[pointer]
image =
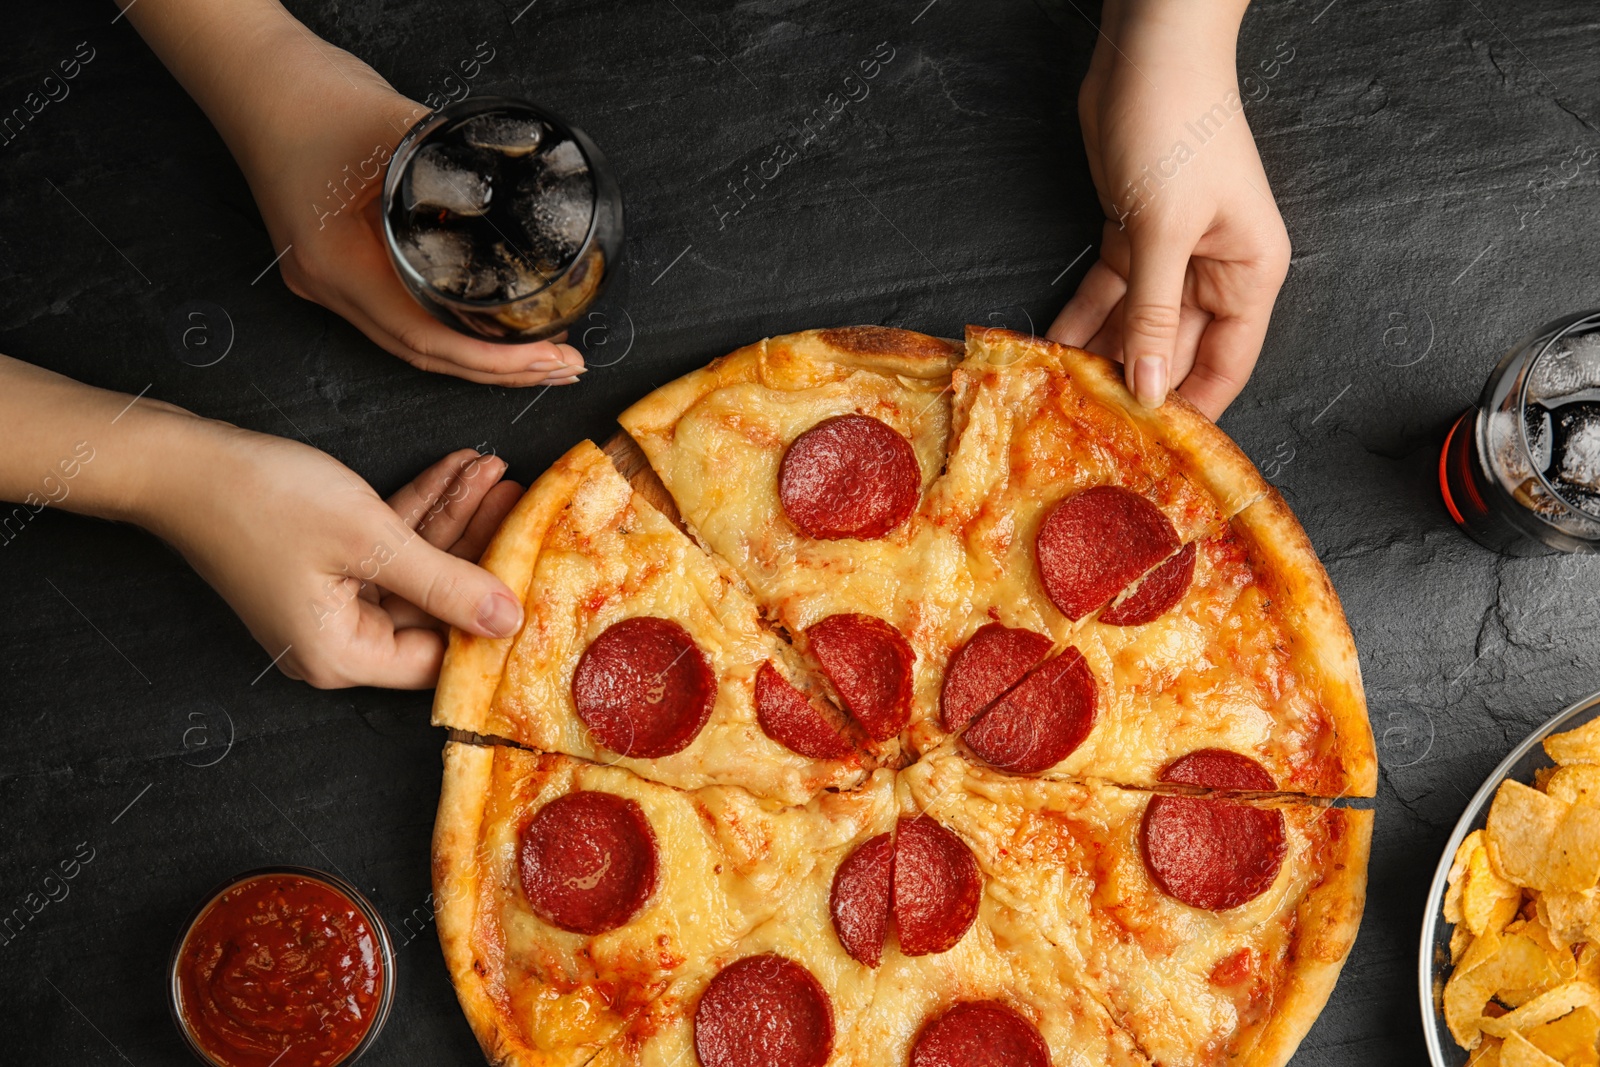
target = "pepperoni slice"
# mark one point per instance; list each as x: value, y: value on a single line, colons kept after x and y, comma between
x: 1218, y: 768
x: 788, y: 717
x: 1212, y: 854
x: 588, y: 861
x: 980, y: 1033
x: 764, y: 1011
x: 993, y: 660
x: 936, y: 887
x: 869, y: 663
x: 644, y: 688
x: 1155, y: 596
x: 1041, y: 720
x: 1093, y: 544
x: 859, y: 902
x: 849, y: 476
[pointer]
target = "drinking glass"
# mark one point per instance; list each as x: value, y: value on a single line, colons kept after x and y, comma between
x: 1520, y: 472
x: 503, y: 220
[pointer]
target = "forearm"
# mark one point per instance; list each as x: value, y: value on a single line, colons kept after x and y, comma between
x: 88, y: 450
x: 256, y: 70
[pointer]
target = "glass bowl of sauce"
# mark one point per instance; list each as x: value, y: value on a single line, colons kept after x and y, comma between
x: 282, y: 967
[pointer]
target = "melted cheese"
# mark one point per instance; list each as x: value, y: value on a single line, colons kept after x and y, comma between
x: 1183, y: 981
x: 727, y: 863
x: 611, y: 556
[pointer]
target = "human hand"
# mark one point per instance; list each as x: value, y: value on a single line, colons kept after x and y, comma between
x: 1194, y: 251
x: 312, y: 127
x: 339, y: 586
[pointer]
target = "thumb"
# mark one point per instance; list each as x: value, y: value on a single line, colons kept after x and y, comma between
x: 452, y: 590
x: 1152, y: 312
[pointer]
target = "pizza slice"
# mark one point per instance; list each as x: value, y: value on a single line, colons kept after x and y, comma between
x: 1146, y: 594
x: 570, y: 896
x: 636, y: 650
x: 805, y: 462
x: 923, y: 968
x: 1254, y: 657
x: 1211, y: 926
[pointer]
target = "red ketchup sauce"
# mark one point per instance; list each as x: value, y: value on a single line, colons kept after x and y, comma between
x: 280, y: 970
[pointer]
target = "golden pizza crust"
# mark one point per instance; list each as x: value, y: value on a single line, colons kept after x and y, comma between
x: 790, y: 361
x: 473, y: 665
x: 456, y: 884
x: 1287, y: 566
x: 1326, y: 924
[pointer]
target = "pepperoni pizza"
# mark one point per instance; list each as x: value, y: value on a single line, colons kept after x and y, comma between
x: 938, y: 706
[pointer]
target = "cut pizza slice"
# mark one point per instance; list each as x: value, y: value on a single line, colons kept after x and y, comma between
x: 636, y: 650
x: 1210, y: 926
x: 792, y: 995
x: 1255, y: 656
x: 780, y: 995
x: 570, y: 897
x: 805, y: 462
x: 1187, y: 606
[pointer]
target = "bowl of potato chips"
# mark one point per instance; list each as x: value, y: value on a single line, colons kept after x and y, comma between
x: 1510, y: 961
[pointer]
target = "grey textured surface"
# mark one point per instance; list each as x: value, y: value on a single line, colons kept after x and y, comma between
x: 1417, y: 152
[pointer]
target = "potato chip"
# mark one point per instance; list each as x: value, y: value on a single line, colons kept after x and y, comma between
x: 1518, y: 1051
x: 1458, y: 875
x: 1589, y: 964
x: 1575, y: 746
x: 1563, y: 967
x: 1491, y: 963
x: 1578, y: 783
x: 1537, y: 841
x: 1460, y: 938
x: 1570, y: 918
x: 1486, y: 1054
x: 1488, y: 902
x: 1544, y: 1008
x: 1570, y: 1039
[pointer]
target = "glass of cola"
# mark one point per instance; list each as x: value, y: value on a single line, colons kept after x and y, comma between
x: 1520, y: 472
x: 502, y: 220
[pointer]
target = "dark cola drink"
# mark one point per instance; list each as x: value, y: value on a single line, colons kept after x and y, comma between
x: 1521, y: 471
x: 501, y: 219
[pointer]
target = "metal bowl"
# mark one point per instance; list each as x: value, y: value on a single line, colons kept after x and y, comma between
x: 1433, y: 964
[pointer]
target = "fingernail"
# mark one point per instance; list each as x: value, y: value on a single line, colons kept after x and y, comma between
x: 547, y: 365
x: 499, y: 615
x: 1150, y: 380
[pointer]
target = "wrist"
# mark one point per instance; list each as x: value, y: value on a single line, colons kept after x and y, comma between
x: 1200, y: 34
x: 181, y: 459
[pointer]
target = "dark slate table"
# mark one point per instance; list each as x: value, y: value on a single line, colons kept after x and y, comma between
x: 1421, y: 155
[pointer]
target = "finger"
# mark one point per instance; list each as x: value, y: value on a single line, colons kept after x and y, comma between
x: 1086, y: 312
x: 1192, y: 323
x: 1108, y: 341
x: 407, y: 616
x: 491, y: 513
x: 452, y: 590
x: 412, y: 501
x: 1150, y: 312
x: 537, y: 373
x: 1226, y: 356
x: 449, y: 515
x: 394, y: 657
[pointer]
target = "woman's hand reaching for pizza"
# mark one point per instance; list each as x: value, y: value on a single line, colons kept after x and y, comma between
x: 340, y: 586
x: 312, y: 126
x: 1194, y: 250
